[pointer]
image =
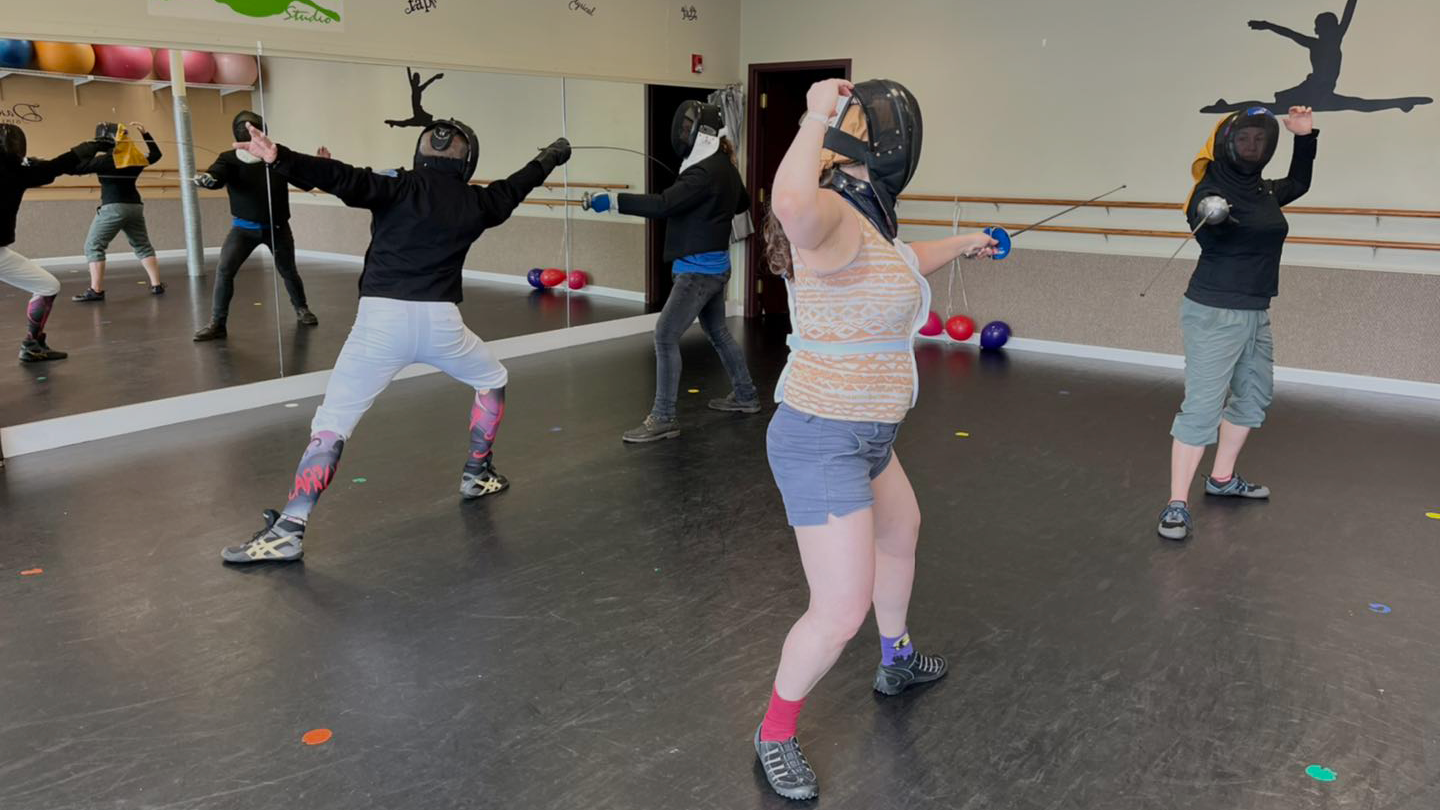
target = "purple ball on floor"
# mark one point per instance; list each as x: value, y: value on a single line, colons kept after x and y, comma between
x: 994, y: 335
x: 534, y: 278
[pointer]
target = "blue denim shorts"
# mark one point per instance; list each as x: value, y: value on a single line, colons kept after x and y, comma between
x: 824, y: 466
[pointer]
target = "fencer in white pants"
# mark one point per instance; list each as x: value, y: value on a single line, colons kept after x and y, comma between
x: 19, y: 271
x: 389, y: 335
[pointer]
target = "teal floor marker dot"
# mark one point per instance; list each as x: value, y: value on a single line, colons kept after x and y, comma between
x: 358, y: 480
x: 1320, y: 773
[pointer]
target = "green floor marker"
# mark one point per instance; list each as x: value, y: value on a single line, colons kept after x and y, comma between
x: 1320, y: 773
x: 358, y: 480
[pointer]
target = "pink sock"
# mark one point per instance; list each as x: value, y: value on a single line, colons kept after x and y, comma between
x: 781, y: 718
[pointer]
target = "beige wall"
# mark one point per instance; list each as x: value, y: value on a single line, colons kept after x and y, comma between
x: 49, y: 228
x: 1377, y: 324
x: 639, y: 40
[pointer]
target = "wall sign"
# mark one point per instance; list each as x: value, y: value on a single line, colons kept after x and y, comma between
x: 306, y: 14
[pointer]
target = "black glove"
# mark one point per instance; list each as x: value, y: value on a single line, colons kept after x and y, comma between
x: 556, y: 154
x: 206, y: 180
x: 89, y: 149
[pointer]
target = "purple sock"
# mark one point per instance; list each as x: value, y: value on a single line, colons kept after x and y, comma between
x: 895, y: 648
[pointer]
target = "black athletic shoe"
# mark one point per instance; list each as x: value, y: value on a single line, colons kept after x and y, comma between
x: 907, y: 672
x: 652, y: 430
x: 306, y: 317
x: 279, y: 541
x: 215, y: 330
x: 35, y: 351
x: 157, y: 289
x: 786, y: 769
x: 733, y: 405
x: 480, y: 484
x: 90, y: 294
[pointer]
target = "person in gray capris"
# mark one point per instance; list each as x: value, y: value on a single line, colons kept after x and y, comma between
x: 121, y: 209
x: 1224, y: 317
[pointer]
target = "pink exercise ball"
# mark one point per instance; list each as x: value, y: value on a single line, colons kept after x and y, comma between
x: 123, y: 61
x: 578, y: 279
x: 236, y: 68
x: 199, y: 66
x: 65, y: 57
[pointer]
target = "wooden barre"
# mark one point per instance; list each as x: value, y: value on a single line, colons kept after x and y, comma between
x: 1160, y: 206
x: 1302, y: 240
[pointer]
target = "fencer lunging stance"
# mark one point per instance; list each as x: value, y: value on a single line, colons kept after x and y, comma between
x: 423, y: 223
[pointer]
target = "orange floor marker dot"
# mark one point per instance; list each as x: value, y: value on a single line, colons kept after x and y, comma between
x: 318, y: 736
x: 30, y: 572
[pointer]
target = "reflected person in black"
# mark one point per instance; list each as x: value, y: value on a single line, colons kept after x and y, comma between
x: 1318, y: 89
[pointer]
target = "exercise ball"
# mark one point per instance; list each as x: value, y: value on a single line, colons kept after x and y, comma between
x: 960, y: 327
x: 199, y: 66
x: 236, y: 68
x: 65, y: 57
x: 578, y: 279
x: 552, y: 277
x: 16, y: 53
x: 932, y: 326
x: 994, y: 335
x: 123, y: 61
x: 534, y: 278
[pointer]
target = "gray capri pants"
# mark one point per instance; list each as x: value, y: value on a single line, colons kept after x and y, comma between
x: 1229, y: 370
x: 111, y: 219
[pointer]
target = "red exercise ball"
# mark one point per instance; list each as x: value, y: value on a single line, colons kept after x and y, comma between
x: 960, y: 327
x: 932, y: 325
x: 199, y: 66
x: 123, y: 61
x: 578, y: 279
x: 552, y: 277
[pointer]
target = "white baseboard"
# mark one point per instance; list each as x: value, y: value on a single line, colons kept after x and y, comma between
x: 486, y: 275
x: 178, y: 253
x: 1329, y: 379
x: 61, y: 431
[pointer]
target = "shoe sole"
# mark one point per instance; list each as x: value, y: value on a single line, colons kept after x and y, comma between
x: 468, y: 497
x: 793, y: 794
x: 1243, y: 496
x: 755, y: 409
x: 40, y: 359
x: 1177, y: 533
x: 207, y: 339
x: 249, y: 561
x: 657, y: 437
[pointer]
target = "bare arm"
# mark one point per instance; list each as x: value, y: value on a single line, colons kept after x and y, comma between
x: 816, y: 221
x: 936, y: 253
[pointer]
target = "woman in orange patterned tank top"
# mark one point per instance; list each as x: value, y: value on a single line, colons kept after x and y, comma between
x: 857, y: 296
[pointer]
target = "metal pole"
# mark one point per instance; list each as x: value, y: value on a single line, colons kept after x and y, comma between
x: 189, y: 198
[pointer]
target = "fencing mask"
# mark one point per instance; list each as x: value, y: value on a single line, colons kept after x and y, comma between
x: 242, y: 135
x: 448, y: 146
x: 695, y: 132
x: 1247, y: 140
x: 878, y: 126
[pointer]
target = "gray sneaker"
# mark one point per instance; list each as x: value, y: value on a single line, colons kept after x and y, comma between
x: 907, y: 672
x: 1236, y: 487
x: 652, y: 430
x: 786, y: 769
x: 733, y: 405
x: 280, y: 541
x: 1175, y: 521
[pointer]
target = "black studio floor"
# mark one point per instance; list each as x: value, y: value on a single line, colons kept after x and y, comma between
x: 603, y: 635
x: 134, y: 347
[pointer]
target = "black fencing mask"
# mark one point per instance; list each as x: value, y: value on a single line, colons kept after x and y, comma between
x: 12, y: 142
x: 1247, y: 141
x: 888, y: 146
x: 692, y: 120
x: 448, y: 146
x: 237, y: 127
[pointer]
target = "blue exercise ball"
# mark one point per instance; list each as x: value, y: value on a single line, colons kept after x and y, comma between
x: 534, y: 278
x: 994, y: 335
x: 16, y: 53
